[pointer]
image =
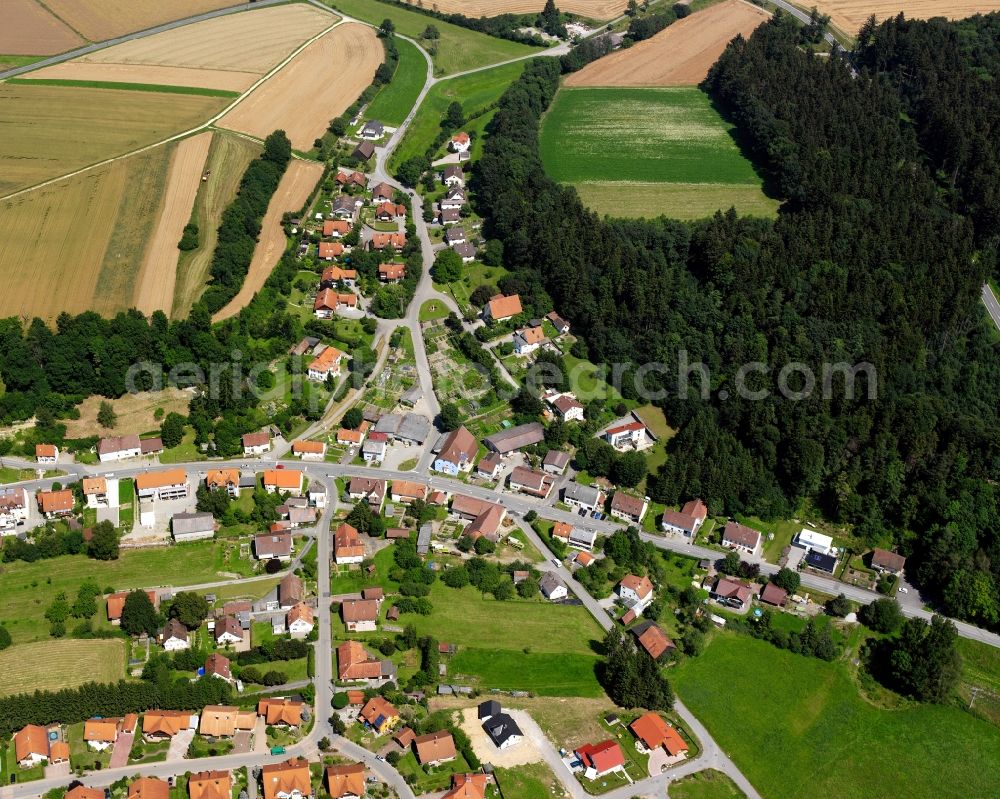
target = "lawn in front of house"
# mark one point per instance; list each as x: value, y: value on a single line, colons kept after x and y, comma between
x: 531, y: 781
x: 430, y: 779
x: 707, y: 784
x: 81, y: 756
x: 797, y: 726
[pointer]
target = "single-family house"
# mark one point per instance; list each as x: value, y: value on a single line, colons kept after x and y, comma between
x: 627, y: 435
x: 387, y: 211
x: 118, y: 448
x: 500, y: 308
x: 453, y: 175
x: 228, y: 631
x: 273, y: 545
x: 454, y: 235
x: 336, y: 229
x: 552, y: 587
x: 528, y: 339
x: 600, y: 759
x: 335, y: 276
x: 382, y: 192
x: 289, y: 780
x: 466, y: 251
x: 364, y: 151
x: 300, y: 620
x: 55, y: 503
x: 355, y: 178
x: 467, y: 786
x: 83, y: 792
x: 375, y: 446
x: 453, y: 200
x: 148, y: 788
x: 256, y: 443
x: 14, y: 507
x: 344, y: 207
x: 210, y: 785
x: 346, y: 782
x: 162, y: 725
x: 741, y: 538
x: 283, y: 480
x: 379, y: 715
x: 379, y: 241
x: 591, y: 498
x: 457, y: 453
x: 391, y: 273
x: 821, y: 562
x: 502, y: 730
x: 46, y: 453
x: 407, y: 491
x: 373, y: 130
x: 565, y: 405
x: 280, y: 712
x: 529, y: 481
x: 217, y: 665
x: 101, y: 734
x: 116, y: 602
x: 165, y: 484
x: 371, y: 489
x: 560, y: 324
x: 354, y: 663
x: 771, y: 594
x: 449, y: 216
x: 652, y: 732
x: 227, y: 480
x: 886, y: 562
x: 731, y: 592
x: 359, y: 615
x: 555, y: 461
x: 347, y: 545
x: 31, y: 745
x: 328, y: 250
x: 635, y: 592
x: 309, y: 450
x: 174, y: 636
x: 460, y: 142
x: 489, y: 466
x: 583, y: 558
x: 434, y: 748
x: 811, y: 541
x: 687, y: 521
x: 325, y: 364
x: 628, y: 508
x: 650, y: 637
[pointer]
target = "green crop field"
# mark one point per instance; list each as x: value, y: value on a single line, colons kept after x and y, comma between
x: 458, y: 49
x: 65, y: 663
x: 475, y: 92
x: 396, y: 98
x: 647, y: 152
x: 797, y: 726
x: 28, y: 588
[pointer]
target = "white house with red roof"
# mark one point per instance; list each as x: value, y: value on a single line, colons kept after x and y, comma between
x: 460, y: 143
x: 601, y: 759
x: 635, y: 592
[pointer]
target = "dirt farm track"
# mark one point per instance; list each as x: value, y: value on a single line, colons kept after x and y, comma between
x: 680, y: 55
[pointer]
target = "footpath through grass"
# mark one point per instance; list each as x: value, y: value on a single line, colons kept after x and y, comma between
x: 647, y: 152
x: 458, y: 49
x: 797, y: 726
x: 475, y: 92
x: 132, y: 87
x: 396, y: 98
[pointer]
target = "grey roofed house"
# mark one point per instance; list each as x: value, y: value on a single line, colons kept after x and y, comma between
x: 363, y: 151
x: 501, y: 728
x: 343, y: 204
x: 454, y: 234
x: 584, y: 495
x: 189, y: 525
x: 489, y: 708
x: 453, y: 171
x: 465, y: 249
x: 373, y: 129
x: 302, y: 515
x: 818, y: 560
x: 516, y: 437
x: 549, y: 583
x: 582, y: 538
x: 388, y: 423
x: 449, y: 216
x: 555, y: 461
x: 424, y: 539
x: 411, y: 396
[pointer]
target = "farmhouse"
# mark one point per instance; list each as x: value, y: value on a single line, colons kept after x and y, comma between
x: 531, y: 482
x: 635, y: 592
x: 627, y: 507
x: 163, y: 485
x: 346, y: 782
x: 288, y: 780
x: 580, y: 496
x: 290, y: 591
x: 192, y: 526
x: 354, y: 663
x: 600, y: 759
x: 741, y: 538
x: 347, y: 545
x: 283, y: 480
x: 363, y: 151
x: 55, y: 503
x: 227, y: 480
x: 515, y: 438
x: 359, y: 615
x: 309, y: 450
x: 300, y: 620
x: 687, y: 521
x: 378, y: 715
x: 457, y: 452
x: 434, y: 748
x: 46, y: 453
x: 409, y: 427
x: 273, y: 545
x: 327, y: 363
x: 500, y: 308
x: 887, y: 562
x: 256, y: 443
x: 528, y: 339
x: 118, y: 448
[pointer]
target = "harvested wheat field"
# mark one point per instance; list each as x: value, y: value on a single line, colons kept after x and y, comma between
x: 65, y: 663
x: 593, y: 9
x: 147, y: 73
x: 158, y: 275
x: 850, y: 15
x: 28, y: 29
x: 51, y: 131
x: 136, y: 412
x: 105, y: 19
x: 77, y: 244
x: 294, y: 189
x: 316, y: 86
x: 252, y: 42
x: 679, y: 55
x: 228, y: 158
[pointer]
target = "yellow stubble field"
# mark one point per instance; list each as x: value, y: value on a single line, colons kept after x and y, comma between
x: 105, y: 19
x: 850, y: 15
x: 593, y: 9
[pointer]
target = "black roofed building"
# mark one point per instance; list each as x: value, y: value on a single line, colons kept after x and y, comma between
x: 503, y: 731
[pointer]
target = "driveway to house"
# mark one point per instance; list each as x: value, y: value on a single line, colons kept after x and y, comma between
x: 179, y: 745
x: 260, y: 736
x: 533, y: 734
x: 119, y: 755
x: 241, y: 742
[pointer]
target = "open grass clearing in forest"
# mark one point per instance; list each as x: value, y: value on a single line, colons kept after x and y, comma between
x: 316, y: 86
x: 646, y: 136
x: 679, y: 55
x: 252, y: 42
x: 158, y: 275
x: 296, y: 185
x: 475, y: 92
x: 396, y: 98
x: 78, y: 244
x: 136, y: 413
x: 458, y: 49
x: 591, y: 9
x: 53, y: 130
x: 797, y: 726
x: 31, y: 29
x: 61, y: 663
x: 228, y: 158
x: 98, y: 20
x: 675, y: 200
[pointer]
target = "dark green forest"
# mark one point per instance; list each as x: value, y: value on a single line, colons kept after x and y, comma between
x: 877, y: 256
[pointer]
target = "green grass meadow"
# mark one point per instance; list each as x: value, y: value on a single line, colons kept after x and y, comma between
x: 649, y: 152
x: 475, y: 92
x: 458, y: 48
x: 797, y: 726
x: 396, y: 98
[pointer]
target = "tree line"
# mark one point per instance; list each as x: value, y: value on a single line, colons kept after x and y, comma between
x: 868, y: 261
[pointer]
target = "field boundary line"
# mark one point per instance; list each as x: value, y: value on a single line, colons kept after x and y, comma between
x: 184, y: 134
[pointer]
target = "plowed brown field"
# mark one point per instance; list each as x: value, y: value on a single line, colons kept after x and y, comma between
x: 296, y: 185
x: 594, y: 9
x: 850, y: 15
x: 316, y: 86
x: 155, y: 286
x: 28, y: 29
x: 105, y: 19
x: 680, y: 55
